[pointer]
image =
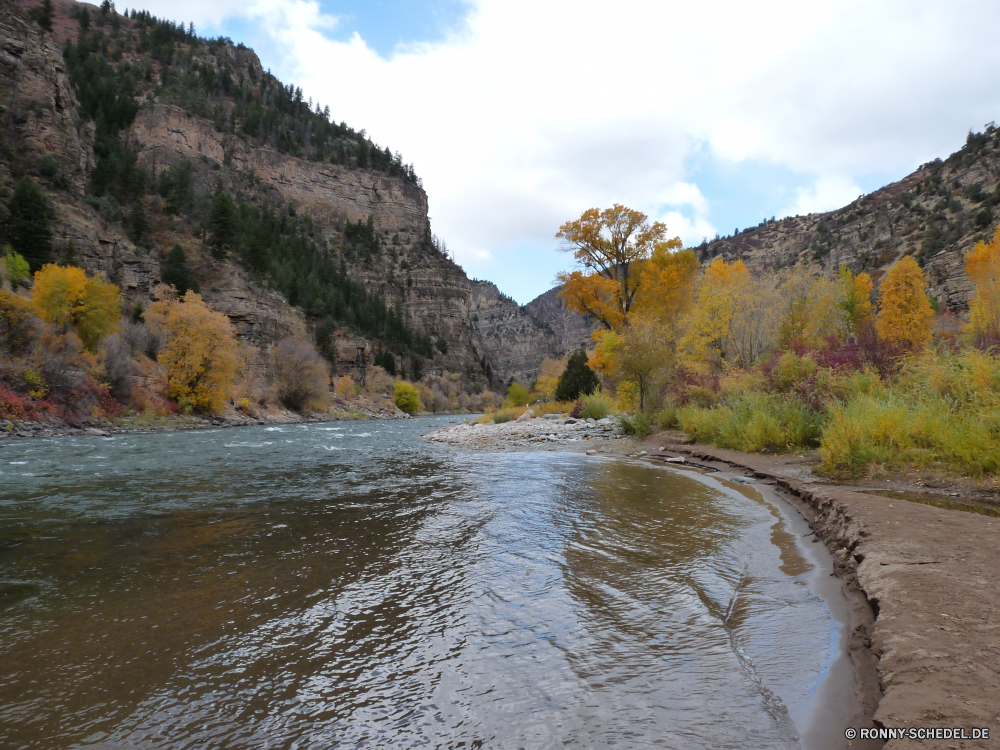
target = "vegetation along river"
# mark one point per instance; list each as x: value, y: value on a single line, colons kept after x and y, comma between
x: 351, y: 585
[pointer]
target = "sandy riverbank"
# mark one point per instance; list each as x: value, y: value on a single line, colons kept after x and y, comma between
x: 927, y: 653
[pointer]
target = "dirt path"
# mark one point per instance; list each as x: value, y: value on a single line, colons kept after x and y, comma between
x: 932, y: 577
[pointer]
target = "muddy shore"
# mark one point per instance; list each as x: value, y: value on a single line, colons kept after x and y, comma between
x: 926, y: 648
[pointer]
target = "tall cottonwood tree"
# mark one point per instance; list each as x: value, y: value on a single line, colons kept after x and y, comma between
x: 200, y: 352
x: 64, y: 296
x: 609, y: 245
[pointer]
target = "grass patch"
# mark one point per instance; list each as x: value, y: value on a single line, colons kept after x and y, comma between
x: 597, y: 405
x: 752, y: 422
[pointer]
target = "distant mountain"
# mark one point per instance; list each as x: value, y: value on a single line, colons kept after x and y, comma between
x: 571, y: 329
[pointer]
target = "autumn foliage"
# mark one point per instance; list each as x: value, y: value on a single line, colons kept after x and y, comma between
x: 982, y: 266
x: 65, y: 296
x: 609, y: 245
x: 200, y: 352
x: 905, y: 315
x: 788, y: 358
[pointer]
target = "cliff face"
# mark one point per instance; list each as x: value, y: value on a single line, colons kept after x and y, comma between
x: 936, y: 214
x: 571, y: 329
x: 164, y: 135
x: 42, y: 116
x: 515, y: 343
x: 40, y: 109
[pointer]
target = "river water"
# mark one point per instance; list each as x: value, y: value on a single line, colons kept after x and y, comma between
x: 351, y: 585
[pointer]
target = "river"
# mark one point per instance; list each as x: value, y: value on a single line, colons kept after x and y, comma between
x: 351, y: 585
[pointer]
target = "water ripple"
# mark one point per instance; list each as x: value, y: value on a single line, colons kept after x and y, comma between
x: 226, y: 589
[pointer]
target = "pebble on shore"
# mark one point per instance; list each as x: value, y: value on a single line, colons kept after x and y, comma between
x: 530, y: 433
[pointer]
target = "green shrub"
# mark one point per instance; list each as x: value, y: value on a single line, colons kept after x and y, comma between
x: 701, y: 397
x: 597, y: 405
x: 899, y: 429
x: 406, y: 397
x: 48, y: 166
x: 517, y: 395
x: 666, y: 418
x: 501, y: 417
x: 753, y: 422
x: 638, y: 424
x: 15, y: 266
x: 792, y: 370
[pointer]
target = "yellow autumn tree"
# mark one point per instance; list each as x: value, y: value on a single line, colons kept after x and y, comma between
x: 15, y: 322
x: 200, y: 352
x: 808, y: 308
x: 548, y: 378
x: 855, y: 300
x: 707, y: 335
x: 594, y: 295
x: 99, y: 314
x: 63, y: 296
x: 640, y: 354
x: 609, y: 245
x: 905, y: 315
x: 58, y: 291
x: 982, y: 266
x: 735, y: 318
x: 667, y: 283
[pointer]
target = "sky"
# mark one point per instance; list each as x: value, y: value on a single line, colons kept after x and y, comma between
x: 707, y: 116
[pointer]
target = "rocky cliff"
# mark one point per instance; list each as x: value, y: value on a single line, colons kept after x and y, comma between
x: 205, y: 131
x: 514, y: 342
x: 571, y: 329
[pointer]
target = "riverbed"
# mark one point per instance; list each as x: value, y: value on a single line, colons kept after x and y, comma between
x: 351, y: 585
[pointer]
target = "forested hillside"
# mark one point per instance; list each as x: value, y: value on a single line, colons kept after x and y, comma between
x: 163, y: 155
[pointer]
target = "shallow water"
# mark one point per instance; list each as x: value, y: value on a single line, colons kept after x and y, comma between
x: 350, y: 585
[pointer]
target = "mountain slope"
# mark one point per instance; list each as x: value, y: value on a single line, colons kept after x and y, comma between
x: 137, y: 111
x: 935, y: 214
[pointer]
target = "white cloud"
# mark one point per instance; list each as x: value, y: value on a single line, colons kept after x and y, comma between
x: 534, y: 111
x: 825, y: 194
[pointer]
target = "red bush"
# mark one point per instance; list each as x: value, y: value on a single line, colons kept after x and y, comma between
x: 13, y: 406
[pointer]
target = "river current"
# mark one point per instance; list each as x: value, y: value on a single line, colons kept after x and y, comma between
x: 351, y: 585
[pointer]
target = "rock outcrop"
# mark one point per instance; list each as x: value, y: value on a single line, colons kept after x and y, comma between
x: 571, y: 329
x: 514, y: 342
x: 40, y: 110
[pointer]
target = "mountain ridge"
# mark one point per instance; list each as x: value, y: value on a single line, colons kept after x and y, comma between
x: 207, y: 109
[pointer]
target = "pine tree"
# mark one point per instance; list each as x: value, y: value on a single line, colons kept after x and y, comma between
x: 577, y: 379
x: 905, y: 315
x: 43, y: 14
x: 176, y: 273
x: 29, y: 229
x: 138, y: 225
x: 222, y: 224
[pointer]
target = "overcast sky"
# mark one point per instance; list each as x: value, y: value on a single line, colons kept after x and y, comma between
x: 708, y: 116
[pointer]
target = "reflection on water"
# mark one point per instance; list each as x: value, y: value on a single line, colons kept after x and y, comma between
x: 350, y: 585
